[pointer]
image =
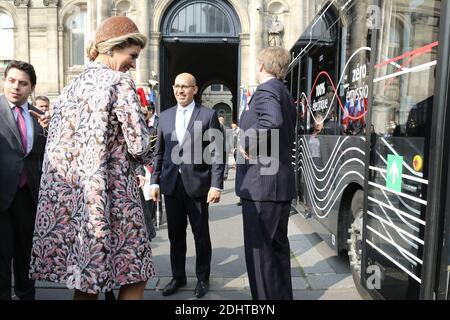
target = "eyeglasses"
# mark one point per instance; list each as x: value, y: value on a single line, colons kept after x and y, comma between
x: 181, y: 87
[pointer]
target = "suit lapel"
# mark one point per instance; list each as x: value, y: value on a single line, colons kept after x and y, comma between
x: 171, y: 124
x: 253, y: 95
x: 7, y: 115
x: 251, y: 99
x: 194, y: 116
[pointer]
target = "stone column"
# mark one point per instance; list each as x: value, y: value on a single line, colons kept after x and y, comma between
x: 102, y: 11
x: 245, y: 55
x: 22, y: 38
x: 143, y: 22
x: 244, y: 67
x: 256, y: 8
x: 91, y: 20
x: 154, y: 42
x: 51, y: 16
x: 61, y: 57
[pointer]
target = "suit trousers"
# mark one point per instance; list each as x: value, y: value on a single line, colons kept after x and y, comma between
x: 180, y: 207
x: 267, y: 250
x: 16, y: 237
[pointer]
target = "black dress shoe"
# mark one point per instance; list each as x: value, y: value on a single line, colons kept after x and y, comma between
x: 173, y: 286
x: 201, y: 289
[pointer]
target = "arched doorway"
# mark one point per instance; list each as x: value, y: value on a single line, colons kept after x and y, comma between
x: 218, y: 97
x: 225, y: 111
x: 202, y: 38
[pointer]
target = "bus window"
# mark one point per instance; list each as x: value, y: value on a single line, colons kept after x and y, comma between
x: 418, y: 123
x: 323, y: 100
x: 355, y: 74
x: 404, y: 83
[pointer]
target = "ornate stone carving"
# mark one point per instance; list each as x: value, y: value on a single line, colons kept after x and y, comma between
x: 53, y: 3
x: 21, y: 3
x: 276, y: 32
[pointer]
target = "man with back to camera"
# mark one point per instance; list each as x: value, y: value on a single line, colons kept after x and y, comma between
x: 190, y: 186
x: 267, y: 196
x: 21, y: 145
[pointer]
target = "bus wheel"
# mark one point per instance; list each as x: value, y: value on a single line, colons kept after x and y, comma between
x: 355, y: 239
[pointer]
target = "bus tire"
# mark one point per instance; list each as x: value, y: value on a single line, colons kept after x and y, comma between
x: 355, y: 240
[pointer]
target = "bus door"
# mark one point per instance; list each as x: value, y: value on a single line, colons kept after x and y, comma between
x: 398, y: 140
x: 436, y: 271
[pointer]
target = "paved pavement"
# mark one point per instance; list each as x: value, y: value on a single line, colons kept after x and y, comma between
x: 317, y: 273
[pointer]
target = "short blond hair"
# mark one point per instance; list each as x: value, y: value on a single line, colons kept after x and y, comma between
x: 276, y: 61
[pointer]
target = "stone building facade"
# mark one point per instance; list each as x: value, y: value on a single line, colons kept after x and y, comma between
x: 53, y: 34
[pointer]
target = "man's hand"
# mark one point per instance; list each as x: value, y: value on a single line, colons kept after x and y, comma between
x: 244, y: 154
x: 43, y: 119
x: 214, y: 196
x: 155, y: 194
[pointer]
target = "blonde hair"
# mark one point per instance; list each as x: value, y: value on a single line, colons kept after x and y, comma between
x: 121, y: 42
x: 276, y: 61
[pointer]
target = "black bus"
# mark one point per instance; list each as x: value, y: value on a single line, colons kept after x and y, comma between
x: 371, y: 79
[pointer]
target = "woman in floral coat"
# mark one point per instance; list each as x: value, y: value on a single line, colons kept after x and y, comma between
x: 90, y: 232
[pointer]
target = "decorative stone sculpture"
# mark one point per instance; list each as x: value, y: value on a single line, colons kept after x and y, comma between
x: 276, y: 32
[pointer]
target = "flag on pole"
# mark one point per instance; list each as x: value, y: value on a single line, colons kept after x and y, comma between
x: 142, y: 97
x: 151, y: 96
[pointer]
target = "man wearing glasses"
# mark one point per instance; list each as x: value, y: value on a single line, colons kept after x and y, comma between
x: 188, y: 181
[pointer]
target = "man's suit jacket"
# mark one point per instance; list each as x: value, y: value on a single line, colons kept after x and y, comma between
x: 272, y: 107
x: 13, y: 159
x: 198, y: 178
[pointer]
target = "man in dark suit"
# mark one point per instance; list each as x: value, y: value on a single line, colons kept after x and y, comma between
x: 21, y: 145
x: 265, y: 180
x: 188, y: 178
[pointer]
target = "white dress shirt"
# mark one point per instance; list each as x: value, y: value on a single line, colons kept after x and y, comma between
x: 28, y: 122
x: 267, y: 79
x: 183, y: 117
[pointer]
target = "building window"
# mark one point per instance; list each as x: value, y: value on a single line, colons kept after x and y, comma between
x: 7, y: 36
x: 201, y: 17
x: 76, y: 31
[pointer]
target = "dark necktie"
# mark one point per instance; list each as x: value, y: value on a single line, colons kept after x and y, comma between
x: 21, y: 125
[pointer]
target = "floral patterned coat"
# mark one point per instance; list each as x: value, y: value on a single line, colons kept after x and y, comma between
x: 90, y: 232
